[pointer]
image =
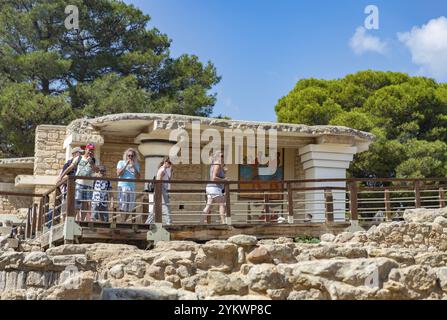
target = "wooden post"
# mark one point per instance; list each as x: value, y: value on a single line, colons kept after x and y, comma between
x: 249, y: 212
x: 266, y: 207
x: 329, y: 204
x: 40, y: 214
x: 144, y: 216
x: 353, y: 194
x: 71, y: 189
x: 114, y: 217
x: 34, y: 220
x: 57, y: 205
x: 46, y: 212
x: 417, y: 192
x: 290, y: 201
x: 441, y: 198
x: 227, y: 203
x: 158, y: 202
x: 28, y: 223
x: 387, y: 205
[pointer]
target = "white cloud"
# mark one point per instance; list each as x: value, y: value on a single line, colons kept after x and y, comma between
x: 362, y: 42
x: 428, y: 46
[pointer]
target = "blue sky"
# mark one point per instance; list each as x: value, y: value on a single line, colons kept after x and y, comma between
x: 261, y: 48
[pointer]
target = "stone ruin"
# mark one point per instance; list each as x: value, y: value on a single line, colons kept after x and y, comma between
x: 397, y: 260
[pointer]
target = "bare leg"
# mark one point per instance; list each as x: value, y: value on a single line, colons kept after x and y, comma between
x: 222, y: 213
x: 206, y: 211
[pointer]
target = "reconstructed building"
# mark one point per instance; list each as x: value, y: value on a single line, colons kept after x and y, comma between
x: 304, y: 152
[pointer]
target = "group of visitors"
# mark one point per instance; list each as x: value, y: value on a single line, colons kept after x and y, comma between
x: 94, y: 199
x: 94, y: 195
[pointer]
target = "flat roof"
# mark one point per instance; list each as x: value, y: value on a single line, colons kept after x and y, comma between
x: 139, y: 121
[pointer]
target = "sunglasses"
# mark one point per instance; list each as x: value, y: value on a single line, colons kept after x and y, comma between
x: 130, y: 155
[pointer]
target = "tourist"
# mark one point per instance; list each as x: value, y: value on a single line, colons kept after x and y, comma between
x: 128, y: 168
x: 86, y: 167
x: 164, y: 174
x: 75, y: 153
x: 100, y: 197
x: 215, y: 191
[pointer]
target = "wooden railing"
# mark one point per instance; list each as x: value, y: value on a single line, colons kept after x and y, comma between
x: 368, y: 201
x: 327, y: 200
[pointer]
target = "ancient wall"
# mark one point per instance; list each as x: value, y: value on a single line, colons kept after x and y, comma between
x: 7, y: 175
x: 403, y: 260
x: 49, y: 150
x: 9, y: 204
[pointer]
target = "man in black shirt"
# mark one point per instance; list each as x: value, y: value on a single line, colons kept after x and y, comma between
x: 76, y: 152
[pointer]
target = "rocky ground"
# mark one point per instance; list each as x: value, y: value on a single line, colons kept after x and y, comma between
x: 398, y: 260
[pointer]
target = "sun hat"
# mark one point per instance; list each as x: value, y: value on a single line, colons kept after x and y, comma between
x: 77, y: 149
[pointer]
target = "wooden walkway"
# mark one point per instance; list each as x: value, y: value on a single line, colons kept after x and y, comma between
x: 92, y: 232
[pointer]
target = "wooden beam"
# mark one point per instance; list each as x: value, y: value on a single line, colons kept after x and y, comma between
x: 290, y: 201
x: 329, y: 205
x: 441, y: 198
x: 387, y: 199
x: 353, y: 203
x: 28, y: 223
x: 227, y: 201
x: 71, y: 189
x: 40, y: 214
x: 34, y: 220
x: 158, y: 205
x: 417, y: 192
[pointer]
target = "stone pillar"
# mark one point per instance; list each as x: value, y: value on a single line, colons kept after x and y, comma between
x: 153, y: 151
x: 80, y: 133
x: 326, y: 161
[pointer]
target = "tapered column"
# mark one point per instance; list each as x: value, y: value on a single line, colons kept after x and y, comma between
x: 153, y: 150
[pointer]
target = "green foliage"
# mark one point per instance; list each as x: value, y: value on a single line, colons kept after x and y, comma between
x: 112, y: 94
x: 114, y: 63
x: 306, y: 239
x: 407, y: 114
x: 22, y: 107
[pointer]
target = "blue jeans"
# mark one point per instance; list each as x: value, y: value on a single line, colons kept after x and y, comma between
x: 82, y: 194
x: 166, y: 207
x: 126, y: 198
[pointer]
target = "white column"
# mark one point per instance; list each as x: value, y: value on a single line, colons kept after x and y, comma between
x: 326, y: 161
x: 153, y: 150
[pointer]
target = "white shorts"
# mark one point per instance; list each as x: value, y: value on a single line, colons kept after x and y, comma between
x: 213, y: 192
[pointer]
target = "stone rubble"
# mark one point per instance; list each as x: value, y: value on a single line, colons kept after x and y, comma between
x: 397, y: 260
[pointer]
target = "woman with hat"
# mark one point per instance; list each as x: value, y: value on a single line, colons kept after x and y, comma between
x: 86, y: 167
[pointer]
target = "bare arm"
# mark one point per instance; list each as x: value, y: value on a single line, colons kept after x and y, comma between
x: 160, y: 174
x: 64, y: 173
